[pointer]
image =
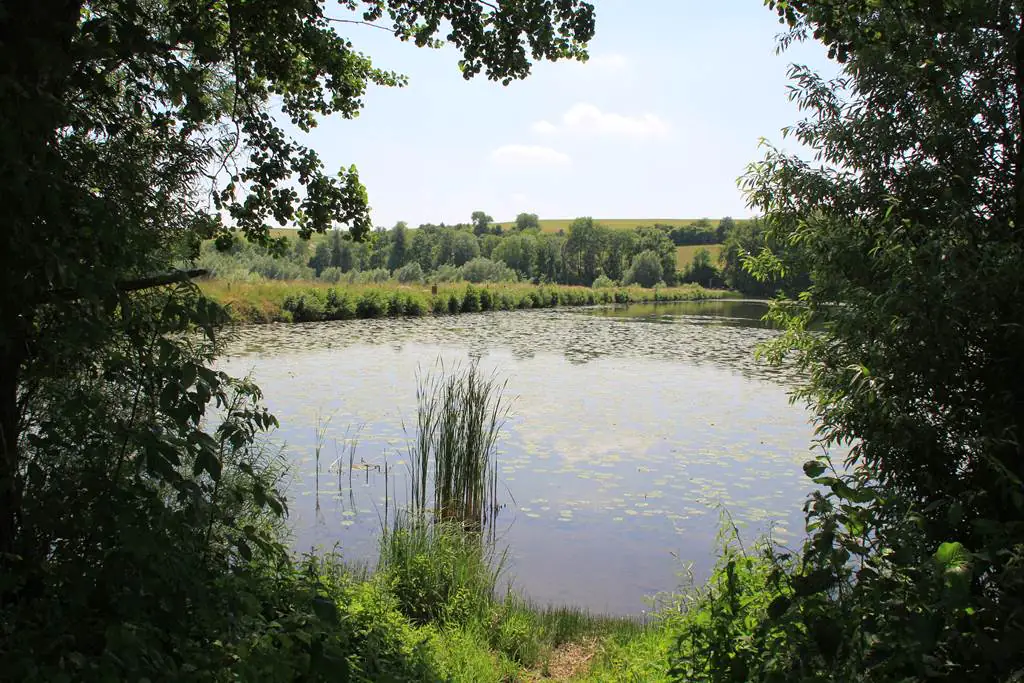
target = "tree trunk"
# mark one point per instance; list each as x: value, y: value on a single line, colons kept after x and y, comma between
x: 36, y: 62
x: 10, y: 432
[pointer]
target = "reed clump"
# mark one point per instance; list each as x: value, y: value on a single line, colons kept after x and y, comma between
x: 454, y: 459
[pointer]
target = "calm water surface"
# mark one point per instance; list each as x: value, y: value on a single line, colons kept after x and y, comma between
x: 631, y: 429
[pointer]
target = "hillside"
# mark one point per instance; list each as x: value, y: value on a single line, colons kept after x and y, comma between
x: 556, y: 224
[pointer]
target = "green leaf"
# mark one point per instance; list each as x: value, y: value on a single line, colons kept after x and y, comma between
x: 952, y: 554
x: 816, y: 582
x: 814, y: 468
x: 325, y: 610
x: 778, y: 606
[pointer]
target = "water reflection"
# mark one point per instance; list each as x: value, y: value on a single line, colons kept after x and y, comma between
x: 625, y: 437
x: 581, y: 335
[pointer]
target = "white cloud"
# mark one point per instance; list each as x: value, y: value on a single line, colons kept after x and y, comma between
x: 544, y: 127
x: 587, y: 118
x: 529, y: 155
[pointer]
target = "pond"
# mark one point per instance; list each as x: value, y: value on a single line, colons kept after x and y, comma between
x: 632, y: 429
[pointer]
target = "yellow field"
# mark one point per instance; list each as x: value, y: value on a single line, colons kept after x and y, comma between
x: 556, y: 224
x: 684, y: 254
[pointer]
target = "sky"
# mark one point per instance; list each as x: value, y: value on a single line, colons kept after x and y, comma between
x: 659, y: 123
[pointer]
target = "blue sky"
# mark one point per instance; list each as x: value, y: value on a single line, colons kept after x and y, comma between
x: 658, y: 124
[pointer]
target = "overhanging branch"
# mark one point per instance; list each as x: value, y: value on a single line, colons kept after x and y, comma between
x: 161, y: 280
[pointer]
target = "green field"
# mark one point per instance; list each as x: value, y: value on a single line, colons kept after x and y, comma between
x: 556, y: 224
x: 684, y: 254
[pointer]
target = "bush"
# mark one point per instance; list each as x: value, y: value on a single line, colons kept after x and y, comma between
x: 305, y: 307
x: 410, y: 273
x: 332, y: 274
x: 371, y: 304
x: 375, y: 276
x: 603, y: 281
x: 645, y: 269
x: 447, y: 273
x: 471, y: 300
x: 483, y: 269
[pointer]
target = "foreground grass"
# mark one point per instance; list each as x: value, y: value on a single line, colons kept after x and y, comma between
x: 286, y: 301
x: 434, y: 615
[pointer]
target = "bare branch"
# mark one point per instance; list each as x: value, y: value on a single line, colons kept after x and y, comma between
x: 361, y: 23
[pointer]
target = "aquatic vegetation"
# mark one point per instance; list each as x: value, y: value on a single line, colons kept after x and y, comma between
x: 459, y: 416
x: 438, y: 571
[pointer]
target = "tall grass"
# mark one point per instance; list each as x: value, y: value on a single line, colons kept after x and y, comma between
x: 439, y: 571
x: 459, y: 416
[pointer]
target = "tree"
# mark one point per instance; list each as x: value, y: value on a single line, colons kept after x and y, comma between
x: 465, y: 247
x: 700, y: 270
x: 133, y: 130
x: 910, y: 224
x: 619, y: 247
x: 321, y: 259
x: 652, y: 239
x: 527, y: 221
x: 399, y: 246
x: 518, y: 252
x: 337, y: 247
x: 422, y: 249
x: 748, y: 239
x: 582, y: 251
x: 645, y: 270
x: 481, y: 223
x: 550, y: 258
x: 724, y: 229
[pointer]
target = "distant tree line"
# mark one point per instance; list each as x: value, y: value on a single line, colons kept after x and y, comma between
x: 587, y: 253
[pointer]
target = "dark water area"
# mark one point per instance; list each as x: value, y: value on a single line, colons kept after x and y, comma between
x: 631, y: 429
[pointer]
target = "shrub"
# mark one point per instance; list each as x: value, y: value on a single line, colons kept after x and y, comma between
x: 603, y: 281
x: 371, y: 304
x: 332, y: 274
x: 471, y: 300
x: 447, y: 273
x: 645, y: 269
x: 375, y: 276
x: 483, y: 269
x: 410, y: 273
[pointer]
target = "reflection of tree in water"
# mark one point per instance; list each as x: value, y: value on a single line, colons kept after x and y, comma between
x: 523, y: 352
x: 721, y: 333
x: 584, y: 344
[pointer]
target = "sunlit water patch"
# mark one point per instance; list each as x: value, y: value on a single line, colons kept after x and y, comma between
x: 625, y: 441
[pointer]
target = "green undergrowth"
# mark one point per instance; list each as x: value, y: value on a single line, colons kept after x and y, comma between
x: 285, y: 301
x: 445, y: 582
x: 434, y: 610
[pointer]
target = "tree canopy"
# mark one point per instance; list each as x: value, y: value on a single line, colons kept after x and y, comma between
x: 909, y: 222
x: 130, y: 131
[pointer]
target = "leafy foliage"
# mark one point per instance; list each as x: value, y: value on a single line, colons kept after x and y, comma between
x: 139, y: 516
x: 910, y: 231
x: 645, y: 270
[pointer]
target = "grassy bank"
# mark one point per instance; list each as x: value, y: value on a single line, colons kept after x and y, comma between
x: 428, y: 614
x: 285, y: 301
